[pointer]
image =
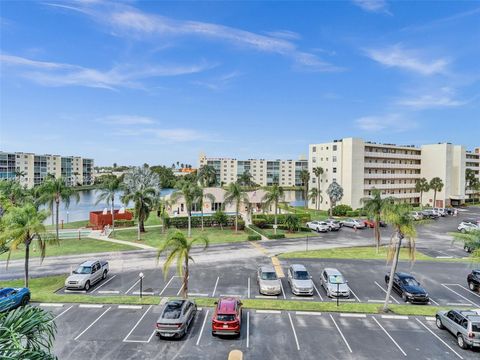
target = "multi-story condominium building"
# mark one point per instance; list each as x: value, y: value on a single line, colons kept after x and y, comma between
x: 32, y: 169
x: 263, y: 172
x: 472, y: 161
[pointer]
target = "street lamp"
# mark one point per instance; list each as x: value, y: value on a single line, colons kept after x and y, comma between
x: 141, y: 283
x: 67, y: 216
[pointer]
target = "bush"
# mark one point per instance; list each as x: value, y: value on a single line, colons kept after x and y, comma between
x: 291, y: 222
x: 240, y: 224
x: 261, y: 223
x: 181, y: 222
x: 341, y: 210
x: 254, y: 237
x: 270, y: 219
x: 277, y: 236
x: 124, y: 223
x: 353, y: 213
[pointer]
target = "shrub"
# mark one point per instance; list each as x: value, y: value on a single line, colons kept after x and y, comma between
x: 254, y: 237
x: 341, y: 210
x: 261, y: 223
x: 220, y: 218
x: 277, y: 236
x: 291, y: 222
x: 353, y: 213
x: 124, y: 223
x: 181, y: 222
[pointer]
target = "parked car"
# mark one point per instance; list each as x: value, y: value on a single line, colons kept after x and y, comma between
x: 11, y: 298
x: 371, y: 223
x: 318, y: 226
x: 334, y: 225
x: 175, y: 318
x: 268, y: 281
x: 465, y: 227
x: 417, y: 215
x: 473, y: 280
x: 430, y: 214
x: 334, y: 283
x: 87, y: 274
x: 440, y: 211
x: 450, y: 211
x: 299, y: 280
x: 353, y: 223
x: 227, y: 317
x: 464, y: 324
x: 408, y: 288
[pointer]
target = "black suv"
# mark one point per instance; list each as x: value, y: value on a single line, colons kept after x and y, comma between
x: 473, y: 280
x: 408, y: 288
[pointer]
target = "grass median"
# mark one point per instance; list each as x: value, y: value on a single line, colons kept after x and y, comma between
x: 43, y: 290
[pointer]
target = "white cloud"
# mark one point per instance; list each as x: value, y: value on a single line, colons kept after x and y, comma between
x: 389, y: 122
x: 178, y: 135
x: 445, y: 97
x: 378, y: 6
x: 408, y: 59
x: 219, y: 82
x: 127, y: 120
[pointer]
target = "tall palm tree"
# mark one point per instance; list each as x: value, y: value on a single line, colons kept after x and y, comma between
x: 141, y: 185
x: 191, y: 193
x: 202, y: 196
x: 27, y: 333
x: 245, y: 179
x: 235, y: 194
x: 162, y: 203
x: 316, y: 195
x: 107, y: 192
x: 54, y: 191
x: 207, y: 176
x: 14, y: 192
x: 335, y: 193
x: 374, y: 206
x: 398, y: 215
x: 421, y: 186
x: 305, y: 177
x: 436, y: 184
x: 318, y: 171
x: 273, y: 196
x: 178, y: 248
x: 22, y: 225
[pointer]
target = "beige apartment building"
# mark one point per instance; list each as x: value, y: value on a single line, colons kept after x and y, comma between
x: 360, y: 166
x: 472, y: 162
x: 32, y: 169
x: 263, y: 172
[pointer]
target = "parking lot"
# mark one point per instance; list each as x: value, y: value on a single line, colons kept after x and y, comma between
x: 127, y: 332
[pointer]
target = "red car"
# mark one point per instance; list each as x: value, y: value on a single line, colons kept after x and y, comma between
x: 371, y: 223
x: 227, y: 318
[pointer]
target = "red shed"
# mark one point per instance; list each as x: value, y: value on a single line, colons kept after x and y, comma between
x: 98, y: 219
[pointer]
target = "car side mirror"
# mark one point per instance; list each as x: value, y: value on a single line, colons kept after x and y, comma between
x: 216, y: 302
x: 241, y: 304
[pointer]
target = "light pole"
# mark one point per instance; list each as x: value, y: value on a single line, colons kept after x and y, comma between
x: 67, y: 216
x: 141, y: 283
x: 338, y: 289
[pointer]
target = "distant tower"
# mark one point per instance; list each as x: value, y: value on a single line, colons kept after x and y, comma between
x: 202, y: 159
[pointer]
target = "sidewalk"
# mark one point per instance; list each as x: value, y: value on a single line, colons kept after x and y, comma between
x: 96, y: 234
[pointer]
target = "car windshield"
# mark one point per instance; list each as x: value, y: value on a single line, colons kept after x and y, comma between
x: 301, y: 275
x: 476, y: 327
x: 411, y: 282
x: 172, y: 310
x: 336, y: 279
x: 83, y: 270
x: 225, y: 317
x: 269, y: 276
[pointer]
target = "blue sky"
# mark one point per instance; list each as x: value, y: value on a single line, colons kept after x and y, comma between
x: 133, y: 82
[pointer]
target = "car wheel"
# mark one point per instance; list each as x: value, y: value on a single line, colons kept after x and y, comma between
x: 461, y: 341
x: 213, y: 334
x: 386, y: 280
x: 404, y: 297
x: 87, y: 286
x: 25, y: 300
x: 104, y: 276
x: 472, y: 286
x: 439, y: 324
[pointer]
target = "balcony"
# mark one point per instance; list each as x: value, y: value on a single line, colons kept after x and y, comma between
x: 373, y: 165
x: 392, y: 176
x: 383, y: 155
x: 388, y: 186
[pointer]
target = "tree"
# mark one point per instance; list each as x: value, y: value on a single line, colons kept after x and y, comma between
x: 190, y: 193
x: 398, y: 215
x: 202, y: 196
x: 273, y: 196
x: 305, y: 177
x: 318, y: 171
x: 166, y: 175
x: 22, y: 225
x: 141, y: 185
x: 292, y: 222
x: 374, y: 206
x: 220, y: 218
x: 53, y: 191
x: 421, y: 186
x: 436, y: 184
x: 107, y: 193
x: 335, y: 194
x: 27, y: 333
x: 471, y: 182
x: 14, y: 192
x: 162, y: 204
x: 245, y: 179
x: 207, y: 176
x: 178, y: 248
x: 235, y: 194
x: 316, y: 197
x: 472, y: 240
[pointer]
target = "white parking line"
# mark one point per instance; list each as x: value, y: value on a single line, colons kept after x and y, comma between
x: 266, y: 297
x: 203, y: 326
x: 443, y: 342
x: 459, y: 304
x: 463, y: 287
x: 283, y: 291
x: 397, y: 317
x: 433, y: 301
x: 378, y: 301
x: 109, y: 292
x: 50, y: 305
x: 356, y: 297
x: 197, y: 294
x: 430, y: 318
x: 318, y: 293
x: 301, y: 298
x: 268, y: 311
x: 391, y: 338
x: 385, y: 291
x: 248, y: 329
x: 151, y: 336
x: 294, y: 332
x: 341, y: 334
x: 63, y: 312
x: 248, y: 287
x: 343, y: 300
x: 215, y: 287
x: 231, y: 295
x: 463, y: 297
x: 180, y: 290
x: 91, y: 306
x: 353, y: 315
x: 131, y: 287
x: 130, y: 306
x: 93, y: 323
x: 149, y: 293
x: 309, y: 313
x: 135, y: 326
x: 106, y: 282
x: 168, y: 283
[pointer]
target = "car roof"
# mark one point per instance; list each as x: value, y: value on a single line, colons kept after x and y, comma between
x: 4, y: 290
x: 404, y: 275
x: 267, y: 268
x: 332, y: 271
x: 298, y: 267
x: 226, y: 305
x: 88, y: 263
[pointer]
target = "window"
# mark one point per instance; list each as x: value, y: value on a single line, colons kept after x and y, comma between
x: 314, y: 149
x: 334, y: 148
x: 334, y: 158
x: 334, y: 170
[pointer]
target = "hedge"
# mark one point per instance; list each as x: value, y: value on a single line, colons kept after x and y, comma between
x: 353, y: 213
x: 181, y: 222
x: 276, y: 236
x: 341, y: 210
x: 254, y: 237
x: 124, y: 223
x: 270, y: 219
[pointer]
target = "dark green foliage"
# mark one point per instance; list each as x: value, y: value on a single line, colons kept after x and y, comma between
x: 341, y: 210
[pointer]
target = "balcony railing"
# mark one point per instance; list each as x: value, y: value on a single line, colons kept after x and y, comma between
x: 391, y: 155
x: 388, y: 186
x: 392, y: 176
x: 374, y: 165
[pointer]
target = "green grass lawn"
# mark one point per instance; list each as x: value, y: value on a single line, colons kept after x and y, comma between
x: 69, y: 247
x: 154, y: 236
x: 70, y: 225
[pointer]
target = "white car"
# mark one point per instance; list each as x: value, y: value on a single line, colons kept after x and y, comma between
x: 417, y: 215
x: 318, y: 226
x: 353, y: 223
x: 465, y: 227
x: 440, y: 211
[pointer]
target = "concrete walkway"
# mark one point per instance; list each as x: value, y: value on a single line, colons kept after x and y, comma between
x: 97, y: 235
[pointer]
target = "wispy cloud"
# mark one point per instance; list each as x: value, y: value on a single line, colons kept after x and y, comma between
x: 127, y: 75
x: 445, y: 97
x: 170, y: 135
x: 390, y: 122
x: 219, y: 82
x: 126, y: 20
x: 127, y: 120
x: 377, y: 6
x: 284, y: 34
x: 408, y: 59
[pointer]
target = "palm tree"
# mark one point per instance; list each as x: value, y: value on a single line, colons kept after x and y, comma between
x: 374, y: 206
x: 436, y: 184
x: 141, y: 185
x: 292, y: 222
x: 398, y: 215
x: 53, y: 191
x: 107, y: 194
x: 27, y: 333
x: 202, y: 196
x: 246, y: 179
x: 335, y: 193
x: 190, y: 193
x: 162, y: 203
x: 316, y: 197
x: 421, y: 186
x: 20, y: 226
x: 207, y: 175
x: 178, y: 248
x: 235, y: 194
x: 273, y: 196
x: 14, y: 192
x: 305, y: 177
x: 318, y: 171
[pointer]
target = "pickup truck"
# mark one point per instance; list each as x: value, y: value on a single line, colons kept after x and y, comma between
x: 87, y: 274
